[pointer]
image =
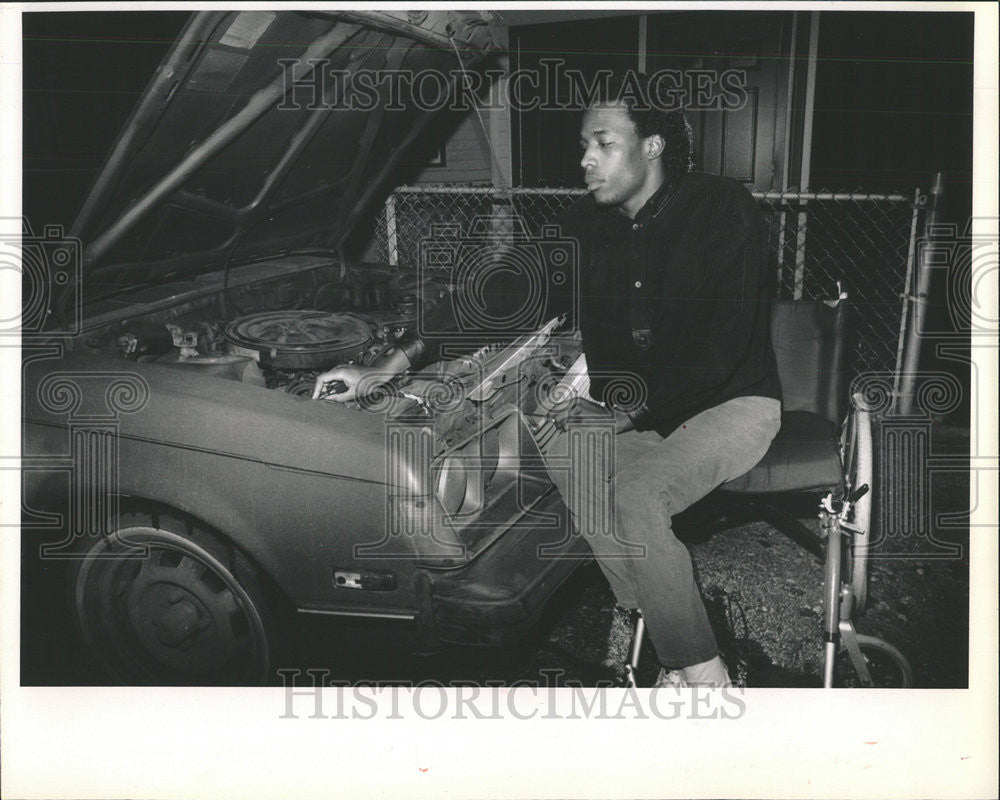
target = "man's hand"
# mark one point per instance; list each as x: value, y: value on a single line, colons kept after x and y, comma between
x: 579, y: 409
x: 353, y: 382
x: 359, y: 381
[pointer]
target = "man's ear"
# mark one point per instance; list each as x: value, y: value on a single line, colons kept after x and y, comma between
x: 654, y: 146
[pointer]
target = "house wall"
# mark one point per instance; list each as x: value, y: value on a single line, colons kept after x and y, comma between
x: 538, y: 148
x: 746, y: 142
x: 466, y: 156
x: 465, y: 141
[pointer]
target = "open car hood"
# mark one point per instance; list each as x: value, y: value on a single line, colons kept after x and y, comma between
x: 246, y: 144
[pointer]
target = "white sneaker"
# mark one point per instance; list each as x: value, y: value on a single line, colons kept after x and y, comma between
x: 670, y: 679
x: 708, y: 673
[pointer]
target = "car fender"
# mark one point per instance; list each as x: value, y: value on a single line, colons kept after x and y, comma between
x: 299, y: 485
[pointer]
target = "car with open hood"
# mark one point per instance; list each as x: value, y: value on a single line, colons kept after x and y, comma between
x: 205, y: 498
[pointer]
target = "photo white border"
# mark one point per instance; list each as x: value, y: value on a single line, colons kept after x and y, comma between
x: 166, y: 742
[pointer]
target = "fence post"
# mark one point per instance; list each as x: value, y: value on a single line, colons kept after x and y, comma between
x: 911, y: 355
x: 390, y: 229
x: 911, y: 257
x: 800, y: 253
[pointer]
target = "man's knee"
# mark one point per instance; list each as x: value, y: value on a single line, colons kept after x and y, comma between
x: 642, y: 502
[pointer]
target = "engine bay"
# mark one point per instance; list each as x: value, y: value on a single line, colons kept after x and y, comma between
x: 279, y: 328
x: 278, y: 332
x: 478, y: 419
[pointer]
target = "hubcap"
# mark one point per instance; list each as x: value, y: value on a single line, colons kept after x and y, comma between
x: 172, y: 614
x: 184, y: 614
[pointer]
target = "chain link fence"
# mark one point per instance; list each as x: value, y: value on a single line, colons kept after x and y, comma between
x: 820, y: 244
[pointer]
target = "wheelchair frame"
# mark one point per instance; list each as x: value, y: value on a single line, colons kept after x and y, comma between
x: 845, y: 524
x: 845, y: 530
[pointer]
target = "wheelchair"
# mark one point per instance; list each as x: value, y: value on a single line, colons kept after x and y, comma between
x: 824, y: 447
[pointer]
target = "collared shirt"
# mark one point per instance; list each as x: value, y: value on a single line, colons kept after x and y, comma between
x: 675, y: 303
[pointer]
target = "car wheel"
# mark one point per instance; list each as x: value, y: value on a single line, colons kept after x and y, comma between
x: 161, y: 601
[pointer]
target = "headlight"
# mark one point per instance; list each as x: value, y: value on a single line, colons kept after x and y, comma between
x: 464, y: 475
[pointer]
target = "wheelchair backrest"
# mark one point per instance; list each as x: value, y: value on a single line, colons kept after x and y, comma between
x: 808, y: 337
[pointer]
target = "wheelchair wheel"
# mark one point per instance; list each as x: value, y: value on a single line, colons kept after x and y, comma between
x: 858, y: 455
x: 888, y: 667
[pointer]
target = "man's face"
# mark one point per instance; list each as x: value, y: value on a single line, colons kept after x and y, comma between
x: 619, y: 167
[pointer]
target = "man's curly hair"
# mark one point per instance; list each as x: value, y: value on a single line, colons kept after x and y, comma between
x: 651, y: 115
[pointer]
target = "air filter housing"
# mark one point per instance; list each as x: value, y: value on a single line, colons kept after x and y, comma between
x: 299, y: 339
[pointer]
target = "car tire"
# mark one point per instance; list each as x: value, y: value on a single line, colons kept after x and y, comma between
x: 162, y: 601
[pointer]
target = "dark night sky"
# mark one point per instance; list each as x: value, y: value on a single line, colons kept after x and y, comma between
x: 83, y: 73
x: 893, y: 100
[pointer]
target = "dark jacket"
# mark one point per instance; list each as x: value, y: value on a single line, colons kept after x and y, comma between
x: 676, y: 301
